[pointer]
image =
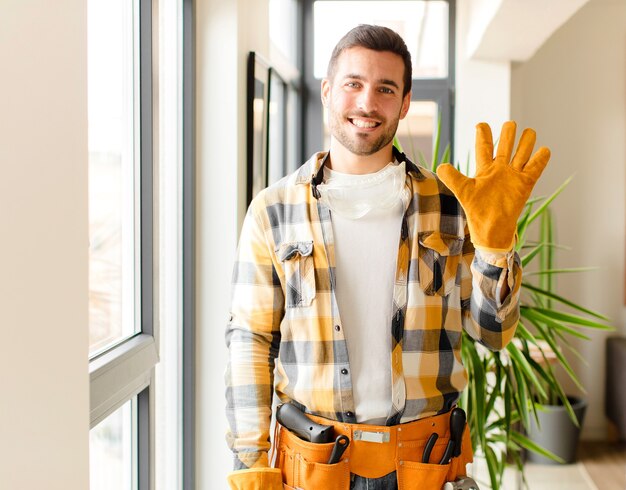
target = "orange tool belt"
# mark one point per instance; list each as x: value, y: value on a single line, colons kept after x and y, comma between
x: 374, y: 451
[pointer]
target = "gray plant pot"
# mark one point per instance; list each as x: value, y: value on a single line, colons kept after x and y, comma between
x: 557, y: 434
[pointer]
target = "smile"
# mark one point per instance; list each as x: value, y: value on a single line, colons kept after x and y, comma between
x: 364, y: 123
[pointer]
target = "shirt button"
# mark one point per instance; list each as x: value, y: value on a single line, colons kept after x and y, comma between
x: 344, y: 371
x: 337, y: 328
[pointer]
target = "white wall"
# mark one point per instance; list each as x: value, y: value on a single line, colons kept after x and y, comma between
x: 573, y: 91
x: 225, y: 32
x: 482, y: 87
x: 44, y: 384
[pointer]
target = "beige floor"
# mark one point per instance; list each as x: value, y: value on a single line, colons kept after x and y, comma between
x: 600, y: 466
x: 541, y: 477
x: 606, y: 463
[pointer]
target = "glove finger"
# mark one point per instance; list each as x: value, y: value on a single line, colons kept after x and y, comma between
x: 524, y: 149
x: 484, y: 145
x: 507, y: 140
x: 452, y: 178
x: 537, y: 163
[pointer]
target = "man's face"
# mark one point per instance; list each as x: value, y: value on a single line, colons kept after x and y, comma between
x: 364, y: 99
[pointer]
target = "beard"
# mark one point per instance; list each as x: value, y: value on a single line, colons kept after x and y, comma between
x: 361, y: 144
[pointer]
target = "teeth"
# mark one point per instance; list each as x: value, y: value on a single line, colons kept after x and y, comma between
x: 364, y: 124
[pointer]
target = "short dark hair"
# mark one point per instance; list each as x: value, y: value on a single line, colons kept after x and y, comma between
x: 377, y: 38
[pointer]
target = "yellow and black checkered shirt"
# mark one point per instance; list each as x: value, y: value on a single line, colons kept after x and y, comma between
x: 285, y: 331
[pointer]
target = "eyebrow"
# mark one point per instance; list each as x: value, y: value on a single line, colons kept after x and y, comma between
x: 383, y: 81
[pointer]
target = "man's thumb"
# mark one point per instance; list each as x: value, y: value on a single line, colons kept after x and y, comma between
x: 450, y: 176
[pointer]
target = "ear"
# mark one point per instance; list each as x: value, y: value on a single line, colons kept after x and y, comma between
x: 406, y: 104
x: 325, y: 92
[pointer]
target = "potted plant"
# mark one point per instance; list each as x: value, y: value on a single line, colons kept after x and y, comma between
x: 507, y: 390
x: 523, y: 384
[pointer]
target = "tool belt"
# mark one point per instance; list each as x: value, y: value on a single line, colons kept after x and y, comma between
x: 373, y: 452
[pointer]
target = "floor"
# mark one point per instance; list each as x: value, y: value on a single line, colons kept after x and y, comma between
x: 605, y: 463
x: 600, y: 466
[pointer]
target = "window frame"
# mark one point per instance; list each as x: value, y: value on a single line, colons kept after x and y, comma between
x: 290, y: 74
x: 126, y: 369
x: 188, y: 249
x: 439, y: 90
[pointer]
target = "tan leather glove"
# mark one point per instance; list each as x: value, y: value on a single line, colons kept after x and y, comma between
x: 494, y: 199
x: 256, y: 479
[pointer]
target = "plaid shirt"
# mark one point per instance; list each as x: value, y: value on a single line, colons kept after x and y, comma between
x: 285, y: 331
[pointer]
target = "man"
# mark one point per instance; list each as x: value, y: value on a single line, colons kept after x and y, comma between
x: 354, y: 278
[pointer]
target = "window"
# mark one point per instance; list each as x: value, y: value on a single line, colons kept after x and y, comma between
x: 427, y: 27
x: 111, y: 445
x: 277, y: 134
x: 113, y: 43
x: 285, y: 95
x: 123, y: 347
x: 422, y: 24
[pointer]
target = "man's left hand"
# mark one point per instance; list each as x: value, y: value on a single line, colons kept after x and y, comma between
x: 495, y: 198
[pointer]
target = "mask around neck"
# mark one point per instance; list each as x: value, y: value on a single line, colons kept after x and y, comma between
x: 354, y: 196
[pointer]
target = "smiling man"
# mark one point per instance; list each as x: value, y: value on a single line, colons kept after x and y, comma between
x: 366, y: 95
x: 354, y: 279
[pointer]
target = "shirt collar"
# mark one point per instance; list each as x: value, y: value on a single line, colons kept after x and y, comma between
x: 313, y: 172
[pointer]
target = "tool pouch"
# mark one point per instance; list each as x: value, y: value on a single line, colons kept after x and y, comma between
x: 415, y: 475
x: 304, y: 464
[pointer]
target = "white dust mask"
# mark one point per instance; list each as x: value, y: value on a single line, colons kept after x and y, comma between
x: 353, y: 196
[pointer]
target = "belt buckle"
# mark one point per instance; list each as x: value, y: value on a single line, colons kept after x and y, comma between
x: 371, y: 436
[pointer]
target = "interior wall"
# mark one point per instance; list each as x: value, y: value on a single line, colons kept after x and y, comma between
x: 44, y: 382
x: 482, y: 87
x: 573, y: 92
x: 225, y: 33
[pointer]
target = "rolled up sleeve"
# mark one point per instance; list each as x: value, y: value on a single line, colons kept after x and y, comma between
x: 487, y: 318
x: 252, y: 338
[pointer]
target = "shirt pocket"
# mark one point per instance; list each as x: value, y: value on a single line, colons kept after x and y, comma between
x: 299, y: 269
x: 439, y: 259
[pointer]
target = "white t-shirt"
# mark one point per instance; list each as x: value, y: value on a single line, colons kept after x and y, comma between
x: 366, y: 250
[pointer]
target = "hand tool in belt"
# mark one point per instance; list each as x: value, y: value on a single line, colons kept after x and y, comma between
x: 457, y: 426
x: 341, y: 444
x: 463, y: 483
x: 293, y: 419
x: 430, y: 444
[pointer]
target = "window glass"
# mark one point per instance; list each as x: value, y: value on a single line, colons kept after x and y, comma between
x: 113, y: 171
x: 282, y: 21
x: 277, y: 129
x: 422, y: 24
x: 292, y: 122
x: 111, y: 451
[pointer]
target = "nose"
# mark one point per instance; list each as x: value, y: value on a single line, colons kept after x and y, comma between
x: 366, y: 100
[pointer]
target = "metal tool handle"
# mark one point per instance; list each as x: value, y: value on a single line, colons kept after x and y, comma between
x: 462, y: 483
x: 430, y: 444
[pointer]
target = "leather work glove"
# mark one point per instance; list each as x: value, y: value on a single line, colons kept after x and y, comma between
x: 494, y: 199
x: 256, y: 479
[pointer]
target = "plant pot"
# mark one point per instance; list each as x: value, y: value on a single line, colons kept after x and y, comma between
x: 557, y: 433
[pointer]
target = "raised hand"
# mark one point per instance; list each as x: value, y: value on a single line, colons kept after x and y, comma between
x: 494, y: 199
